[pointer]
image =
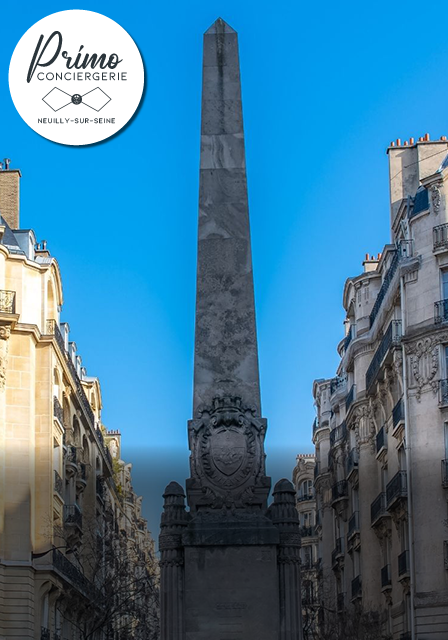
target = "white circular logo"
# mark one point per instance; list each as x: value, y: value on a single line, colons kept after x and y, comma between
x: 76, y: 77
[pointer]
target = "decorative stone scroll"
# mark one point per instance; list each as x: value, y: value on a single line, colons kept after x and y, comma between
x: 436, y: 197
x: 5, y: 333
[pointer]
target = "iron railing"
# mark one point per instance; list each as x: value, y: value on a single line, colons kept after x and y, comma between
x: 7, y: 301
x: 58, y: 484
x: 72, y: 515
x: 350, y: 397
x: 338, y: 433
x: 338, y: 550
x: 339, y: 490
x: 301, y: 498
x: 440, y: 237
x: 356, y: 587
x: 381, y: 440
x: 337, y: 383
x: 445, y: 473
x: 353, y: 524
x: 307, y: 532
x: 44, y: 633
x: 378, y: 508
x: 443, y: 392
x: 74, y: 575
x: 398, y: 413
x: 396, y: 488
x: 386, y: 579
x: 57, y: 410
x: 349, y: 337
x: 352, y: 461
x: 403, y: 563
x: 385, y: 286
x: 391, y: 337
x: 440, y: 311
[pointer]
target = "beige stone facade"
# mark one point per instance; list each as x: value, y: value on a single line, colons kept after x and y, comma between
x: 381, y: 433
x: 70, y: 522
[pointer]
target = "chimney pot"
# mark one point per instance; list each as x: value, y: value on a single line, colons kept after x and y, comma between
x: 405, y: 143
x: 426, y: 137
x: 411, y: 140
x: 392, y: 144
x: 398, y: 142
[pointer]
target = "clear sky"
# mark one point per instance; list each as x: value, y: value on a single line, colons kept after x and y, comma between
x: 326, y: 87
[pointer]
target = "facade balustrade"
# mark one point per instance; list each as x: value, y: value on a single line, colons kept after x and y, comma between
x: 58, y: 484
x: 440, y: 237
x: 398, y: 413
x: 57, y: 410
x: 441, y: 311
x: 445, y: 473
x: 396, y: 488
x: 339, y: 490
x: 443, y: 392
x: 378, y: 508
x: 403, y: 563
x: 391, y: 337
x: 306, y: 496
x: 386, y: 579
x: 72, y: 515
x: 356, y: 587
x: 7, y: 301
x: 381, y: 440
x: 350, y: 397
x: 338, y: 433
x: 404, y: 250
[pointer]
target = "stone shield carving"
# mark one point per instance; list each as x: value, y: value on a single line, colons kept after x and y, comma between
x: 228, y: 448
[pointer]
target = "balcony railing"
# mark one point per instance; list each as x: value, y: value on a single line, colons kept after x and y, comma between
x: 352, y: 462
x: 307, y: 532
x: 403, y: 563
x: 350, y: 397
x: 57, y: 410
x: 339, y: 490
x: 7, y: 301
x: 443, y: 392
x: 356, y: 587
x: 440, y: 237
x: 337, y: 551
x: 72, y: 515
x: 445, y: 473
x: 441, y: 311
x: 385, y: 286
x: 396, y: 488
x: 398, y: 413
x: 386, y: 579
x: 349, y: 337
x: 302, y: 498
x: 44, y: 633
x: 338, y: 433
x: 381, y: 440
x: 378, y: 508
x: 353, y: 524
x: 337, y: 383
x: 391, y: 337
x: 58, y: 485
x: 74, y: 575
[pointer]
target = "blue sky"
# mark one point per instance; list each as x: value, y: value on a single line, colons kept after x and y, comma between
x: 326, y: 87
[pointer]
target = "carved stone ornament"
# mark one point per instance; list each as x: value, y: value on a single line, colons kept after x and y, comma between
x: 5, y: 332
x: 436, y: 197
x: 424, y: 362
x: 227, y: 456
x: 364, y: 427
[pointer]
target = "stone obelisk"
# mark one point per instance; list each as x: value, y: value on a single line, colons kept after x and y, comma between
x: 229, y: 565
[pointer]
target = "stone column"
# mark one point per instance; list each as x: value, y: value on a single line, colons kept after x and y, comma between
x: 174, y: 521
x: 284, y: 515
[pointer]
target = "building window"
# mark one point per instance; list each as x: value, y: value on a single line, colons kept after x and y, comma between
x: 444, y: 283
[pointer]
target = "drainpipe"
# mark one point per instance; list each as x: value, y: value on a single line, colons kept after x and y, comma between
x: 408, y: 462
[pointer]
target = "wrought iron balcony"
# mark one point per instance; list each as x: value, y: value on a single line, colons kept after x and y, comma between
x: 403, y: 563
x: 7, y: 301
x: 57, y: 410
x: 338, y: 551
x: 386, y: 580
x: 443, y: 392
x: 58, y: 484
x: 396, y: 488
x: 378, y: 508
x: 352, y: 462
x: 441, y: 311
x: 339, y: 490
x: 44, y: 633
x: 72, y: 515
x: 391, y: 337
x: 307, y: 532
x: 337, y: 384
x: 304, y: 497
x: 350, y: 397
x: 440, y: 237
x: 356, y: 587
x: 73, y: 575
x: 398, y: 413
x: 385, y: 286
x: 338, y: 433
x: 349, y: 337
x: 381, y: 440
x: 445, y: 473
x: 353, y: 524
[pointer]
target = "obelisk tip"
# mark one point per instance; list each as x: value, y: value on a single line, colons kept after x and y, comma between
x: 219, y: 26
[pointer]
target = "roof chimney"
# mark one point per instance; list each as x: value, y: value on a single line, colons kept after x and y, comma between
x: 10, y: 194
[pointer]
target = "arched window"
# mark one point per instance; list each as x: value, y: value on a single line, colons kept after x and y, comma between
x: 76, y: 432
